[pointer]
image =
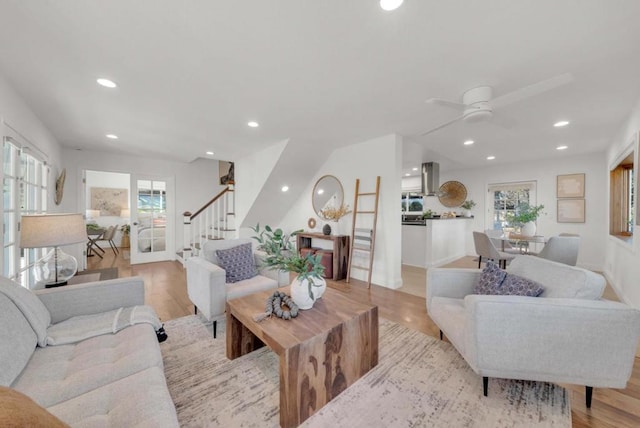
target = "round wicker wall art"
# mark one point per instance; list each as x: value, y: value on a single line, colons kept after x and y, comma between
x: 452, y: 194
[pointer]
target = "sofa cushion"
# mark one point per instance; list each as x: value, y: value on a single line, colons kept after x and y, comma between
x: 17, y: 341
x: 490, y: 280
x: 139, y: 400
x: 59, y: 373
x: 18, y: 410
x: 250, y: 286
x: 559, y: 280
x: 515, y: 285
x: 211, y: 246
x: 237, y: 262
x: 31, y: 307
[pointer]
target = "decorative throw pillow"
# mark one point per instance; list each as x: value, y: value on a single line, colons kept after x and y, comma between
x: 237, y: 262
x: 18, y: 410
x: 518, y: 286
x: 490, y: 280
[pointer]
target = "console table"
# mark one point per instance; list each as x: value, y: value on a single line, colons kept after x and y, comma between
x: 340, y: 250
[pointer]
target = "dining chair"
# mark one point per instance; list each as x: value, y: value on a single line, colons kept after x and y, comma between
x: 486, y: 249
x: 496, y: 237
x: 561, y: 249
x: 108, y: 236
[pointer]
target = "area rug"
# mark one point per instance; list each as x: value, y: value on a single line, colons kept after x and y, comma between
x: 419, y: 381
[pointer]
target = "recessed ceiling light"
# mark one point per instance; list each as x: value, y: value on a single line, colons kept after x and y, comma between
x: 210, y: 153
x: 285, y: 188
x: 407, y: 174
x: 253, y: 124
x: 562, y: 147
x: 468, y: 142
x: 111, y: 136
x: 106, y: 83
x: 491, y: 157
x: 415, y: 168
x: 390, y: 4
x: 561, y: 123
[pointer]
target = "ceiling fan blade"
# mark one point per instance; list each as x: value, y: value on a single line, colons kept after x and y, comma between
x: 444, y: 103
x: 440, y: 126
x: 531, y: 90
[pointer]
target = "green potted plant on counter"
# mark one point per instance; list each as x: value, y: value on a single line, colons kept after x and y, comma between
x: 428, y: 214
x: 467, y: 206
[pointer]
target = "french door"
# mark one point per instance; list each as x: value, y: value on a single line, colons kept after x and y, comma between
x: 152, y: 219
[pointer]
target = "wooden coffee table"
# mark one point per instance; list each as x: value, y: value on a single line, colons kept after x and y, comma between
x: 322, y: 351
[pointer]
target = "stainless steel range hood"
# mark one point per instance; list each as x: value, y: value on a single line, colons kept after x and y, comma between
x: 430, y: 178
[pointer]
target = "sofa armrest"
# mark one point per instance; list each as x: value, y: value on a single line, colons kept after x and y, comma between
x: 92, y: 297
x: 452, y: 283
x: 578, y: 341
x: 206, y: 286
x: 280, y: 276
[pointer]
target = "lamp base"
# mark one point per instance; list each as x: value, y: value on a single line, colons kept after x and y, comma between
x: 55, y: 268
x: 59, y: 284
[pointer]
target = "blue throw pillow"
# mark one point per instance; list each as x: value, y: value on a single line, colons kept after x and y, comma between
x: 490, y: 279
x: 237, y: 262
x: 518, y: 286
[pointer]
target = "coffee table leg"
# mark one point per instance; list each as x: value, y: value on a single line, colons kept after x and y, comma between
x: 240, y: 340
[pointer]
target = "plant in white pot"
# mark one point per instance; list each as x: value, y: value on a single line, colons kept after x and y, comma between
x: 467, y: 206
x: 524, y: 217
x: 280, y: 254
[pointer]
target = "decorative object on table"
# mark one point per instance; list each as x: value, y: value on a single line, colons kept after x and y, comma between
x: 326, y: 229
x: 309, y: 285
x: 524, y: 217
x: 571, y: 210
x: 467, y: 206
x: 60, y: 186
x: 53, y: 230
x: 274, y: 307
x: 570, y: 186
x: 452, y: 194
x: 109, y: 201
x: 335, y: 213
x: 428, y: 214
x: 311, y: 223
x: 126, y: 230
x: 450, y: 214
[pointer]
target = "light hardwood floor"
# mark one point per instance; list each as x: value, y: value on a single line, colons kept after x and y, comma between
x: 166, y: 291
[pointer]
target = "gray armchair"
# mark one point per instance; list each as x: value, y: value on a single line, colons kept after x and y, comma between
x: 561, y: 249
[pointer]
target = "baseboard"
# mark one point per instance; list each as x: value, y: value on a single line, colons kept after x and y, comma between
x: 445, y: 261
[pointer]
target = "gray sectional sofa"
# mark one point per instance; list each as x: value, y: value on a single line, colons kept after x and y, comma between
x: 108, y: 379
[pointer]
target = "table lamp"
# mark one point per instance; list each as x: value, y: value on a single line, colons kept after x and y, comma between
x: 53, y: 230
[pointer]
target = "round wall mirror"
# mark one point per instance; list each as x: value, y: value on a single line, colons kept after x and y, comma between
x: 327, y: 193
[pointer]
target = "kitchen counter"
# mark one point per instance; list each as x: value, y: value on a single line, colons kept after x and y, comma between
x: 435, y: 242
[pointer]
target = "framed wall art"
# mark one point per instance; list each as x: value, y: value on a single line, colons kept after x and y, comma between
x: 571, y: 210
x: 570, y: 186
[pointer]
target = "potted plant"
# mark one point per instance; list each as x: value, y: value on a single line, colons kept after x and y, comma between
x: 428, y: 214
x: 467, y: 206
x: 525, y: 216
x: 280, y: 254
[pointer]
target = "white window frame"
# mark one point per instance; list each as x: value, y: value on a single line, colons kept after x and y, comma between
x: 507, y: 186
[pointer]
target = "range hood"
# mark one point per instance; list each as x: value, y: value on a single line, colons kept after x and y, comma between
x: 430, y: 178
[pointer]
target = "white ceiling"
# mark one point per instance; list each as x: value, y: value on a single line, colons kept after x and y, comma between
x: 332, y: 72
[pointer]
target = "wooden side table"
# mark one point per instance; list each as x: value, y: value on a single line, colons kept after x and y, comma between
x: 340, y: 250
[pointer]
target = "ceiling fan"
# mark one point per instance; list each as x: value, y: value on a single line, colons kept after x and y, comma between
x: 478, y: 105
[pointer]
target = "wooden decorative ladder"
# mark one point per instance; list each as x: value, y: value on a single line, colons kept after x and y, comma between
x: 364, y: 239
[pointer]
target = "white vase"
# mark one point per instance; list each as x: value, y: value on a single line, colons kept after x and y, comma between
x: 467, y: 213
x: 528, y: 229
x: 300, y: 292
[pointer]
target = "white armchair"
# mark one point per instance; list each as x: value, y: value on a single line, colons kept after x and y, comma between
x: 206, y: 280
x: 567, y: 335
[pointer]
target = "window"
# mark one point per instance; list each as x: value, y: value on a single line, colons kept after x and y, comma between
x: 412, y: 202
x: 24, y: 191
x: 622, y: 203
x: 505, y: 197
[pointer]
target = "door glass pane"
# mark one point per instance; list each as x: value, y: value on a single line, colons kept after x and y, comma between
x: 9, y: 218
x: 152, y: 206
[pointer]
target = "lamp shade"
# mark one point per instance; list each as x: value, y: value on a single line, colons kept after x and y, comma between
x: 52, y: 230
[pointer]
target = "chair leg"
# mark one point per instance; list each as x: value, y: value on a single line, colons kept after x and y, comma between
x: 440, y: 334
x: 485, y: 385
x: 196, y: 310
x: 589, y: 394
x: 215, y: 327
x: 479, y: 261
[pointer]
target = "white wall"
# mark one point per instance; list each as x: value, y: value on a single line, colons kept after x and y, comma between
x: 380, y: 156
x: 622, y: 261
x: 196, y: 182
x: 545, y: 172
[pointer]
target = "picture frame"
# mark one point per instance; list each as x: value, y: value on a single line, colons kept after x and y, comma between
x: 571, y: 210
x: 570, y: 186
